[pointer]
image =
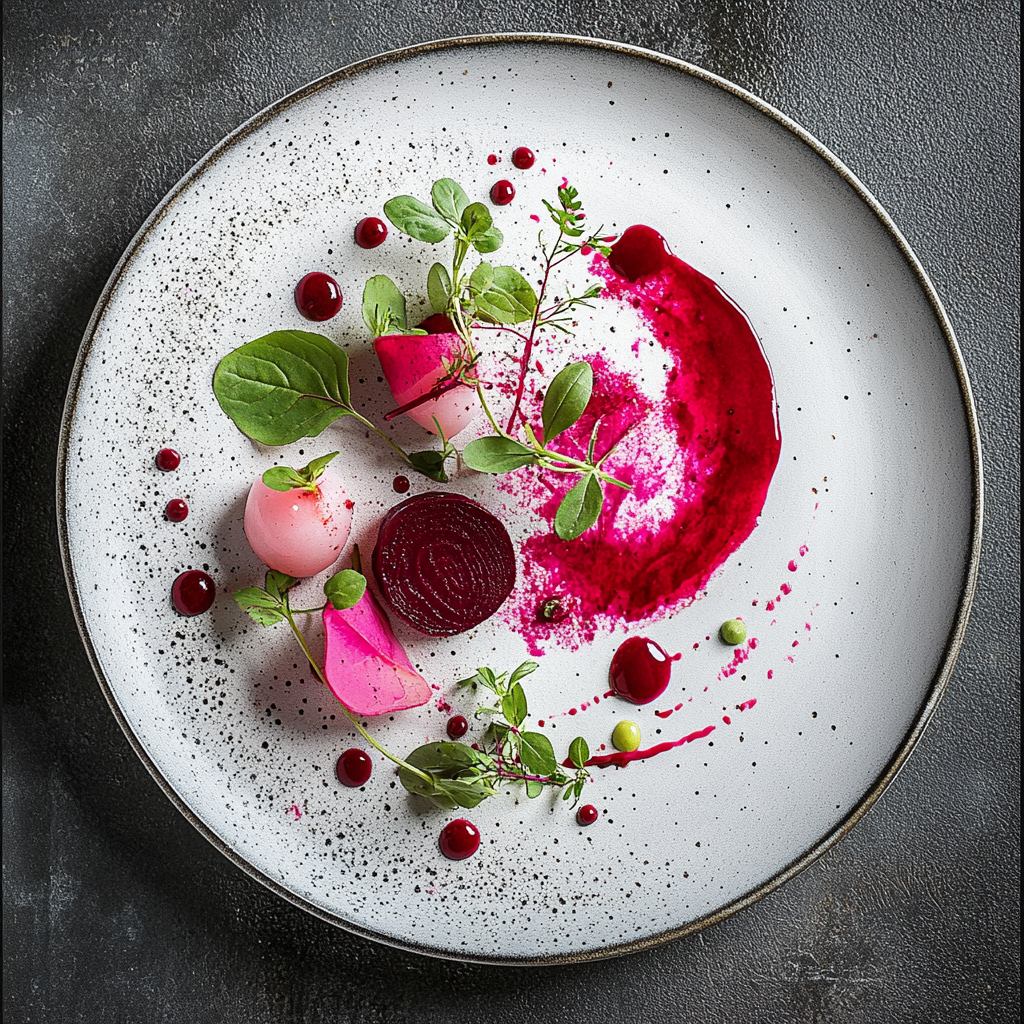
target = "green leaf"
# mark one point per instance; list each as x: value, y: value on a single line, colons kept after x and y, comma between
x: 579, y: 752
x: 496, y: 454
x: 488, y: 241
x: 281, y: 478
x: 527, y: 668
x: 449, y: 200
x: 534, y: 788
x: 537, y: 753
x: 416, y: 219
x: 507, y: 298
x: 451, y: 767
x: 262, y: 607
x: 345, y: 588
x: 430, y: 464
x: 439, y: 288
x: 481, y: 278
x: 313, y: 470
x: 567, y: 397
x: 278, y: 584
x: 475, y: 221
x: 284, y: 386
x: 265, y: 616
x: 580, y: 508
x: 513, y: 706
x: 383, y: 306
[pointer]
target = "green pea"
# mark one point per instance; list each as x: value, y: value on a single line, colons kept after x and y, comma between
x: 626, y: 736
x: 733, y: 632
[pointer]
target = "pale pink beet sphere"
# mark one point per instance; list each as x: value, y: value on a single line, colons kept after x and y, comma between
x: 298, y: 532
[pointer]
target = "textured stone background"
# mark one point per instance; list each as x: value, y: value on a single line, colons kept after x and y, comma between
x: 115, y: 909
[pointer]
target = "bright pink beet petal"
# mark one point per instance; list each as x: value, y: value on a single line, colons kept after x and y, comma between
x: 366, y: 667
x: 414, y: 364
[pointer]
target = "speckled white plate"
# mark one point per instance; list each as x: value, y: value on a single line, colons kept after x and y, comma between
x: 876, y: 502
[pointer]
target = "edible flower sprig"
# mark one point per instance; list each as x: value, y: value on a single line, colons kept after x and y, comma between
x: 464, y: 775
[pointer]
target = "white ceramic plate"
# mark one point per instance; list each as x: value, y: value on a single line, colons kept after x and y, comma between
x: 879, y: 480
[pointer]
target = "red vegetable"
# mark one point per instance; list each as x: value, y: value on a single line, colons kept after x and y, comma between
x: 444, y: 563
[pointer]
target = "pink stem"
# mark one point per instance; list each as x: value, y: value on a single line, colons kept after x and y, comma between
x: 435, y: 392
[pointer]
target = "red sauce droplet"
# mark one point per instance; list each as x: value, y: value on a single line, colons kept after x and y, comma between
x: 354, y: 768
x: 640, y: 251
x: 168, y: 460
x: 193, y: 592
x: 318, y: 296
x: 176, y: 510
x: 641, y: 670
x: 370, y: 232
x: 400, y: 484
x: 502, y: 193
x: 586, y: 815
x: 492, y: 159
x: 459, y: 839
x: 457, y: 727
x: 523, y: 158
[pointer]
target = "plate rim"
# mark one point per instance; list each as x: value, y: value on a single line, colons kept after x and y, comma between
x: 954, y: 639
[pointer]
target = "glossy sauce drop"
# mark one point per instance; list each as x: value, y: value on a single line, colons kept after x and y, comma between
x: 640, y: 251
x: 400, y: 484
x: 492, y: 159
x: 354, y: 768
x: 457, y: 727
x: 168, y: 460
x: 586, y: 815
x: 370, y: 232
x: 459, y: 839
x: 193, y: 592
x: 502, y: 193
x: 318, y: 296
x: 176, y: 510
x: 641, y: 670
x: 523, y: 158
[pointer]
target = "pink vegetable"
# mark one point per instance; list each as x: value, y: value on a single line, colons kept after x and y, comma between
x: 365, y: 665
x: 413, y: 365
x: 298, y: 532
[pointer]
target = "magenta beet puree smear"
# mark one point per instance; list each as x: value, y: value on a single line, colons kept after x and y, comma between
x: 700, y: 458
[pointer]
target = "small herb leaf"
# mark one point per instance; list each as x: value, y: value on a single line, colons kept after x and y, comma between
x: 580, y: 508
x: 537, y: 753
x: 566, y: 398
x: 449, y: 200
x: 496, y: 454
x: 283, y: 386
x: 534, y: 788
x: 475, y: 221
x: 345, y: 589
x: 439, y: 288
x: 281, y: 478
x: 513, y: 706
x: 383, y: 306
x: 430, y: 464
x: 278, y: 584
x: 488, y: 241
x: 527, y: 668
x: 579, y: 752
x: 416, y: 219
x: 507, y: 298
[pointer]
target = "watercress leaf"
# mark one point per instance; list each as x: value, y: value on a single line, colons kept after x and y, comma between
x: 439, y: 287
x: 345, y: 588
x: 566, y: 398
x: 534, y: 788
x: 511, y: 281
x: 580, y: 508
x: 481, y: 278
x: 254, y: 597
x: 264, y: 616
x: 496, y: 454
x: 527, y: 668
x: 475, y: 221
x: 427, y: 788
x: 383, y: 305
x: 579, y: 752
x: 537, y: 754
x: 313, y: 470
x: 448, y: 198
x: 282, y: 478
x: 278, y: 584
x: 283, y: 386
x: 465, y: 792
x: 430, y: 464
x: 416, y: 219
x: 488, y: 241
x: 513, y: 706
x: 507, y: 298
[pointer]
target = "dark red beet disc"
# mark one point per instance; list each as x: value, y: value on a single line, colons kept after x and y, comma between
x: 444, y: 563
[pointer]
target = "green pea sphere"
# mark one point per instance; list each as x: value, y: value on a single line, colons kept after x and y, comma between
x: 626, y: 737
x: 733, y: 632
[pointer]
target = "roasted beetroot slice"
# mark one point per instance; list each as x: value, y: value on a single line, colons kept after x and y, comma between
x: 444, y: 563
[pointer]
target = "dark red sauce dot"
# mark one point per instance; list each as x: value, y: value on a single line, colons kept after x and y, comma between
x: 639, y: 251
x: 586, y: 815
x: 492, y: 159
x: 457, y: 727
x: 176, y: 510
x: 400, y: 484
x: 168, y: 460
x: 318, y: 296
x: 523, y: 158
x: 640, y: 670
x: 193, y: 592
x: 459, y: 839
x: 370, y: 232
x: 502, y: 193
x: 354, y: 768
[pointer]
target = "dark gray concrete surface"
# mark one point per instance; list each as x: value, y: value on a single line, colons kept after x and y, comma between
x: 115, y: 909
